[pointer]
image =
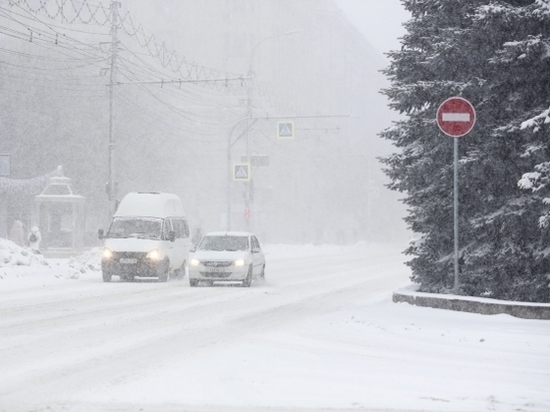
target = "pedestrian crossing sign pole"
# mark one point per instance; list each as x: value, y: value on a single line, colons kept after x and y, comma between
x: 241, y: 172
x: 285, y: 130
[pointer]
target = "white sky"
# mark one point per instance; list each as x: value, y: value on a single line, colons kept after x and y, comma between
x: 379, y: 20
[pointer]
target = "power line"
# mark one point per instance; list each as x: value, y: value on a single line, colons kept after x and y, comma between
x: 86, y: 12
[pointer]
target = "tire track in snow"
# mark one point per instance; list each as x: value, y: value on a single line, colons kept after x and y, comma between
x: 70, y: 348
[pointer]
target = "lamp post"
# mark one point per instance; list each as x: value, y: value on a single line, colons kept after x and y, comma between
x: 250, y: 75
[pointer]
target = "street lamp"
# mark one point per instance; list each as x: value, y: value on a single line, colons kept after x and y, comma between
x: 249, y: 117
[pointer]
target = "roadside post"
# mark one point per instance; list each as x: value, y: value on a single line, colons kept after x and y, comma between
x: 5, y: 171
x: 456, y: 117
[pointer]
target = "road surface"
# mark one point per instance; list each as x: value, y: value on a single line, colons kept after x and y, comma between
x: 85, y: 345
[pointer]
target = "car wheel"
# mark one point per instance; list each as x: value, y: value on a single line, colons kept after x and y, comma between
x: 193, y: 282
x: 248, y: 281
x: 165, y: 271
x: 262, y: 273
x: 106, y: 276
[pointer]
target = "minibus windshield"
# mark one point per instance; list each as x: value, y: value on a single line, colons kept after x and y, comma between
x: 135, y: 227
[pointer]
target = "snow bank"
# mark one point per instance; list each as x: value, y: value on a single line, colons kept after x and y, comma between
x: 18, y: 262
x: 13, y: 255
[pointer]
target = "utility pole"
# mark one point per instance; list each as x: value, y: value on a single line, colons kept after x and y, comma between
x: 112, y: 185
x: 248, y: 122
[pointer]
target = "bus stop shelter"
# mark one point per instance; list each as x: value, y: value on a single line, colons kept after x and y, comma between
x: 60, y: 215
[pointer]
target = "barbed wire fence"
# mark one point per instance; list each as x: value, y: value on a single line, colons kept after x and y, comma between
x: 180, y: 69
x: 87, y: 12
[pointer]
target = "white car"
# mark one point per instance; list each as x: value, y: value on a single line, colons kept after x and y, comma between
x: 227, y: 257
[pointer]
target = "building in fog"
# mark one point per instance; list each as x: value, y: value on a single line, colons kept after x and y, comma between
x: 300, y: 61
x: 306, y: 60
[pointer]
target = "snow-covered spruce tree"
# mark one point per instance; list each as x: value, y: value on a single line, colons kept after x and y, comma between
x: 497, y: 55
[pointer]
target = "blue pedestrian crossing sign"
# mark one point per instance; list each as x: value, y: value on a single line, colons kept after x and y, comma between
x: 285, y: 130
x: 241, y: 172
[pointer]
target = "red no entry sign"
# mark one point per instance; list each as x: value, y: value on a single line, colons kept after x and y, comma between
x: 456, y: 117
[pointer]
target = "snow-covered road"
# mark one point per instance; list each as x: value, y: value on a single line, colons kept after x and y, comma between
x: 320, y: 333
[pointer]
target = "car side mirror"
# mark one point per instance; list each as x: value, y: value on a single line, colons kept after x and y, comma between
x: 100, y: 234
x: 256, y: 250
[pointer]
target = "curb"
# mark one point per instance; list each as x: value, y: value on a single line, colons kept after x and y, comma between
x: 484, y: 306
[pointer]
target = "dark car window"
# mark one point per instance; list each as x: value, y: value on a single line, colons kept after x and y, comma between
x: 143, y: 228
x: 185, y: 228
x: 229, y: 243
x: 180, y: 227
x: 166, y: 229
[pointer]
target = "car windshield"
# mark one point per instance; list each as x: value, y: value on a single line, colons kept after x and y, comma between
x: 219, y: 243
x: 141, y: 228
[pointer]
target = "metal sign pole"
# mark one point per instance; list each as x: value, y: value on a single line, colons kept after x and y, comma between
x: 456, y: 117
x: 456, y: 242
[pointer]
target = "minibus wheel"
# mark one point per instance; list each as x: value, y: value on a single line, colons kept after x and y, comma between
x: 106, y: 276
x: 165, y: 271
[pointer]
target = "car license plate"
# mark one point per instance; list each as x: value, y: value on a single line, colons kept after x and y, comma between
x: 216, y: 270
x: 128, y: 261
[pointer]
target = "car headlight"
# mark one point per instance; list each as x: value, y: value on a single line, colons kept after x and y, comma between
x: 107, y: 254
x: 194, y: 262
x: 153, y: 255
x: 239, y: 262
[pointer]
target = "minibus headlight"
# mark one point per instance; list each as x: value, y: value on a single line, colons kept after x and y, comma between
x: 107, y: 254
x: 153, y: 255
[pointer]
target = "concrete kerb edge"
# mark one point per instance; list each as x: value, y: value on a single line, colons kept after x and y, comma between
x: 482, y: 306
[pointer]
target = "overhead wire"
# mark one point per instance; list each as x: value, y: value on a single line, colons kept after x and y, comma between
x: 208, y: 73
x: 168, y: 89
x: 177, y: 116
x: 167, y: 58
x: 50, y: 35
x: 34, y: 56
x: 135, y: 70
x: 49, y: 51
